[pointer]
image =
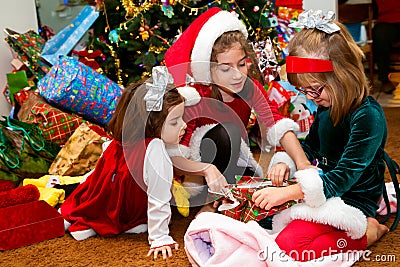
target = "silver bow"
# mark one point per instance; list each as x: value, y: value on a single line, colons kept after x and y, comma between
x: 155, y: 94
x: 316, y: 19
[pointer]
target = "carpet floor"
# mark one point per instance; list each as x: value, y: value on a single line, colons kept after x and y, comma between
x: 131, y: 249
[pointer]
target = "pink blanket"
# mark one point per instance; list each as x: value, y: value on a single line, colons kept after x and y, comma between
x: 216, y: 240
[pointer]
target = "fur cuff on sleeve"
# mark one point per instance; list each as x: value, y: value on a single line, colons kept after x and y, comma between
x: 165, y: 240
x: 276, y: 132
x: 312, y: 187
x: 195, y: 141
x: 284, y: 158
x: 178, y: 151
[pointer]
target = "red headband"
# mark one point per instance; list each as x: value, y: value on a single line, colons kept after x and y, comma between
x: 306, y: 65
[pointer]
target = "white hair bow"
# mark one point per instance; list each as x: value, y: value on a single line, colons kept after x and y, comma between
x: 316, y: 19
x: 155, y: 94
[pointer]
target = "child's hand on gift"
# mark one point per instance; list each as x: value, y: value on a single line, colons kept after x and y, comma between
x: 166, y: 251
x: 269, y: 197
x: 214, y: 178
x: 279, y: 173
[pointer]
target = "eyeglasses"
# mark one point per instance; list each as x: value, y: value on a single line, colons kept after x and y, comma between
x: 311, y: 92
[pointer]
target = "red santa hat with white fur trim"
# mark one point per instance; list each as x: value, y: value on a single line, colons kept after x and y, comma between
x: 191, y: 53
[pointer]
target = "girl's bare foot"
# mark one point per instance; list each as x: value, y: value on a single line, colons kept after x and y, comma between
x: 375, y: 230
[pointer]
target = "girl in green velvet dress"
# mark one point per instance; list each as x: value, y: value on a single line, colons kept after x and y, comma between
x: 346, y: 142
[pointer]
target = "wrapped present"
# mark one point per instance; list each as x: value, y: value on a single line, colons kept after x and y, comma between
x: 57, y: 126
x: 246, y: 210
x: 81, y: 152
x: 77, y: 88
x: 29, y: 223
x: 28, y: 47
x: 65, y: 40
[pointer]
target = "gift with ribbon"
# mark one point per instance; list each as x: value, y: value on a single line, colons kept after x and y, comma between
x: 244, y: 209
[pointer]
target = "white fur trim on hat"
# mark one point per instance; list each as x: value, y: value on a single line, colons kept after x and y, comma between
x: 334, y: 212
x: 312, y: 187
x: 195, y: 141
x: 178, y: 150
x: 276, y: 132
x: 215, y: 26
x: 283, y: 157
x: 246, y: 159
x: 190, y: 94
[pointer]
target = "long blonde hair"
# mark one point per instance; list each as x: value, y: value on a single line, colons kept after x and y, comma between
x: 347, y: 86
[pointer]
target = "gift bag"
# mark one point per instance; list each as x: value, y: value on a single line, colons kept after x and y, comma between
x: 81, y: 152
x: 27, y: 136
x: 16, y: 81
x: 246, y: 210
x: 28, y: 47
x: 23, y: 151
x: 64, y: 41
x: 57, y: 126
x: 77, y: 88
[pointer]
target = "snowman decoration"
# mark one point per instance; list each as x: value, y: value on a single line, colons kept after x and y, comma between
x: 300, y: 113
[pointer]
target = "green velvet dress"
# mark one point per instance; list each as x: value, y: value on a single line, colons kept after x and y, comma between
x: 351, y: 154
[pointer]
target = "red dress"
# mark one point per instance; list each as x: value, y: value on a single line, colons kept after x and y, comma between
x: 110, y: 201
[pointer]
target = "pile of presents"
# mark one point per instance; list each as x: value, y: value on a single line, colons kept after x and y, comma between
x: 54, y: 133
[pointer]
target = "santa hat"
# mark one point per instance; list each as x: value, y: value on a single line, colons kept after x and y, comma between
x: 196, y: 42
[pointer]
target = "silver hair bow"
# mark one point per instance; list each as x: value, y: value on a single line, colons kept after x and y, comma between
x: 155, y: 94
x: 316, y: 19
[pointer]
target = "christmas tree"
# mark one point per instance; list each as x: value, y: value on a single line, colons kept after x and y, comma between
x: 134, y: 35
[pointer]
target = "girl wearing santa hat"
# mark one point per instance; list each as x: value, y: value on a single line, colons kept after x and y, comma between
x: 214, y: 51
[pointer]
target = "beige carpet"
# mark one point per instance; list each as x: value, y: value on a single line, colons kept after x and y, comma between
x: 131, y: 250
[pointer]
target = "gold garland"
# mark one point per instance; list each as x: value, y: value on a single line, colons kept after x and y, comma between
x: 133, y: 10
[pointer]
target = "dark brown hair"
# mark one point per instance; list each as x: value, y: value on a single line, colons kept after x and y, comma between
x: 132, y: 122
x: 347, y: 85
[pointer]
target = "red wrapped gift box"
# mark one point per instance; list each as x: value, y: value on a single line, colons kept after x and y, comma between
x: 247, y: 210
x: 29, y: 223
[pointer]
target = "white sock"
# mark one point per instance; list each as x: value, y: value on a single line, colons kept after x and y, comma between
x: 84, y: 234
x: 141, y: 228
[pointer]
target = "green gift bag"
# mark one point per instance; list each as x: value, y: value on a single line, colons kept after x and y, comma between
x: 28, y: 137
x: 16, y: 81
x: 16, y: 165
x: 23, y: 151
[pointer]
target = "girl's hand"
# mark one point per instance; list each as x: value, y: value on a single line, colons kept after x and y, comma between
x: 165, y: 251
x: 279, y: 173
x: 269, y: 197
x: 214, y: 178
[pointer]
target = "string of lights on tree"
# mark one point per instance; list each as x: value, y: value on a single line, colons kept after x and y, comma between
x: 134, y: 35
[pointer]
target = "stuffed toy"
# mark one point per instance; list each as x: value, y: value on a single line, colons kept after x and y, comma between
x: 181, y: 198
